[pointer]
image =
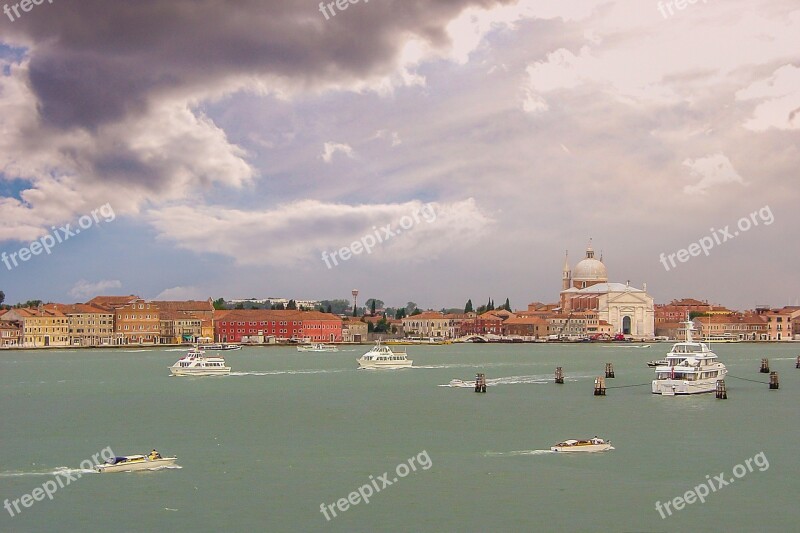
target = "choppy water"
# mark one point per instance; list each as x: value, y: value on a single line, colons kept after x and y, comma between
x: 262, y: 449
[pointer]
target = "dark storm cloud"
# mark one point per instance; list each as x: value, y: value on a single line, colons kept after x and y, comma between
x: 97, y: 61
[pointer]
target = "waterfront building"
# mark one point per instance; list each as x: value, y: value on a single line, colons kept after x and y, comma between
x: 88, y: 325
x: 521, y: 326
x: 10, y: 334
x: 256, y: 325
x: 137, y: 322
x: 353, y: 330
x: 430, y: 325
x: 187, y: 313
x: 176, y: 327
x: 40, y: 326
x: 628, y: 310
x: 734, y: 327
x: 780, y: 323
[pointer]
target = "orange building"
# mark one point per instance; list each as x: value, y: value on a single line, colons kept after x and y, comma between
x: 137, y: 322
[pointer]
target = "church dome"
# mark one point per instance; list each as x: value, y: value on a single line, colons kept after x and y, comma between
x: 590, y: 269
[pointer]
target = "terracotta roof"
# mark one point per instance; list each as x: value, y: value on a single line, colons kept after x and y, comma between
x: 262, y: 315
x: 188, y: 305
x: 110, y: 302
x: 75, y: 309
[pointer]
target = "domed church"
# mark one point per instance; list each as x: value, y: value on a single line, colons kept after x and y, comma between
x: 628, y: 309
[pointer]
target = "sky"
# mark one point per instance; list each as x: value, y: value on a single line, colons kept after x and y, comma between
x: 426, y: 151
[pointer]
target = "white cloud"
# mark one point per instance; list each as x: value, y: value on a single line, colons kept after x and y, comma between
x: 86, y: 290
x: 182, y: 293
x: 712, y: 170
x: 332, y: 148
x: 297, y: 233
x: 779, y: 97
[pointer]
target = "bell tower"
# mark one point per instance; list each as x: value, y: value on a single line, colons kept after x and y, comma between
x: 566, y: 275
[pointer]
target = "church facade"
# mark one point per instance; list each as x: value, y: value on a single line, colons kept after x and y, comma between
x: 629, y: 310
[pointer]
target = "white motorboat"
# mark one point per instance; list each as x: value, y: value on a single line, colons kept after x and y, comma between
x: 197, y: 363
x: 134, y: 463
x: 661, y: 362
x: 691, y: 368
x: 318, y: 347
x: 381, y: 356
x: 222, y: 347
x: 595, y: 444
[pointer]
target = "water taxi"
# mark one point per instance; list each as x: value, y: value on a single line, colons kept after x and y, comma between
x: 222, y: 347
x: 133, y: 463
x: 381, y: 356
x: 196, y: 363
x: 691, y: 368
x: 595, y: 444
x: 317, y: 348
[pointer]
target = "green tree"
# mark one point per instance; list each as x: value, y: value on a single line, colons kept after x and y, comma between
x: 695, y: 314
x: 355, y: 310
x: 382, y: 326
x: 329, y: 309
x: 468, y: 308
x: 219, y: 303
x: 2, y: 297
x: 372, y: 308
x: 292, y: 306
x: 410, y: 307
x: 240, y: 305
x: 416, y: 312
x: 400, y: 314
x: 507, y: 306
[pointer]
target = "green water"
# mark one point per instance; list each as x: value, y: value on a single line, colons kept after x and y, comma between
x: 262, y: 449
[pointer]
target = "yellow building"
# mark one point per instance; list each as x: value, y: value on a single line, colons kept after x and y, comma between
x: 40, y: 326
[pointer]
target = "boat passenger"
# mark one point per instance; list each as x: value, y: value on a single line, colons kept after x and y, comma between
x: 154, y: 455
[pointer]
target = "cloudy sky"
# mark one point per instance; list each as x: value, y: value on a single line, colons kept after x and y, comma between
x: 236, y: 142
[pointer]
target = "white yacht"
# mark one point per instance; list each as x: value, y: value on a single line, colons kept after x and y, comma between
x: 133, y: 463
x: 381, y: 356
x: 197, y: 363
x: 318, y: 347
x: 595, y: 444
x: 691, y: 368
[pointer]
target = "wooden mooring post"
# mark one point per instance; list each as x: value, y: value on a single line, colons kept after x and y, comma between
x: 797, y: 364
x: 609, y: 370
x: 559, y: 375
x: 722, y: 392
x: 600, y: 386
x: 773, y: 381
x: 764, y: 366
x: 480, y: 383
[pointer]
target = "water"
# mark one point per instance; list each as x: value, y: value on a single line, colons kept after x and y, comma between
x: 262, y: 449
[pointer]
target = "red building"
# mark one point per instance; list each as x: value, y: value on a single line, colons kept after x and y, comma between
x: 232, y: 326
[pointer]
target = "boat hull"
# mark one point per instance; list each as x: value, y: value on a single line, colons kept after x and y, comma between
x: 182, y: 372
x: 675, y: 387
x: 384, y: 364
x: 138, y: 466
x: 585, y: 448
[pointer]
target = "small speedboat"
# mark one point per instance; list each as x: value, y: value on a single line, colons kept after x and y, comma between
x: 653, y: 364
x: 133, y: 463
x: 222, y: 347
x: 317, y: 347
x: 595, y: 444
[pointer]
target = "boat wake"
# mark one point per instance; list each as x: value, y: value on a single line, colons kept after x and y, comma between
x: 477, y: 365
x: 518, y: 452
x: 510, y: 380
x: 289, y: 372
x: 62, y: 470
